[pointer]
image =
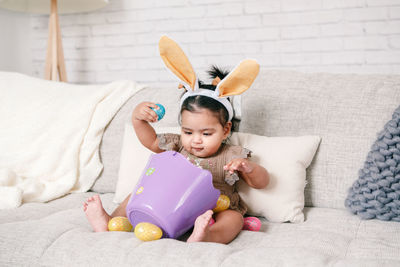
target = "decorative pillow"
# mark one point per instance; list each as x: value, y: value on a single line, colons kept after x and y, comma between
x: 134, y: 157
x: 286, y: 159
x: 50, y: 135
x: 376, y: 193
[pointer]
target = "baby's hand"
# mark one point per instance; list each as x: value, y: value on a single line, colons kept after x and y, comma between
x: 144, y: 112
x: 242, y: 165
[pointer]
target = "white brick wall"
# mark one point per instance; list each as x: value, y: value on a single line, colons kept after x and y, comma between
x: 120, y: 41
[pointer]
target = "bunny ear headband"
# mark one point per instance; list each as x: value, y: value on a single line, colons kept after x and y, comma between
x: 235, y: 83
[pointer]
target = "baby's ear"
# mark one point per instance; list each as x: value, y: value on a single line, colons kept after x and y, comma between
x: 240, y: 78
x: 176, y: 60
x: 227, y: 129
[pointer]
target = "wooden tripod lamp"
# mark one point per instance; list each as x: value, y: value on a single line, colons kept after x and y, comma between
x: 55, y: 65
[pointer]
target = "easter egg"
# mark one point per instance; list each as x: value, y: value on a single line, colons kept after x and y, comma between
x: 160, y: 111
x: 251, y: 224
x: 223, y: 203
x: 119, y: 224
x: 212, y: 221
x: 147, y: 231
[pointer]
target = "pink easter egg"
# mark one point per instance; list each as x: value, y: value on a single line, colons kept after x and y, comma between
x: 212, y: 221
x: 251, y: 224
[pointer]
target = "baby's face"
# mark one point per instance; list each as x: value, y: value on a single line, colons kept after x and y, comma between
x: 202, y: 133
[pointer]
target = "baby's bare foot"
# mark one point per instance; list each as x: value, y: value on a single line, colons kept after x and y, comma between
x: 201, y: 227
x: 96, y: 214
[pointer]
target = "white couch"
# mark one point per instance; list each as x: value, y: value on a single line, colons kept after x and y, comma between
x: 345, y: 110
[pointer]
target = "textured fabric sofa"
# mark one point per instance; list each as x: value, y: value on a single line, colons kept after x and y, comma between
x: 345, y: 110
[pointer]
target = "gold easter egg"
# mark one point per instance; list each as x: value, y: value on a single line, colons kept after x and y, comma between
x: 147, y: 231
x: 119, y: 224
x: 223, y: 203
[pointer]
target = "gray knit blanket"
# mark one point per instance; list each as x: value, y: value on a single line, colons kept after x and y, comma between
x: 376, y: 193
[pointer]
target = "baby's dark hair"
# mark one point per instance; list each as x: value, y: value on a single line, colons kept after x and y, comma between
x: 194, y: 103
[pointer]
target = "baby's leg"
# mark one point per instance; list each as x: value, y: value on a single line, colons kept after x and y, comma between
x: 121, y: 209
x: 227, y: 226
x: 97, y: 216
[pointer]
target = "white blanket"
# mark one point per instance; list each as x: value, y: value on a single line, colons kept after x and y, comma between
x: 50, y: 133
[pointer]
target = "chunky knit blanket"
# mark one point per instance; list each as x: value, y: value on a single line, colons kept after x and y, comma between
x: 376, y: 193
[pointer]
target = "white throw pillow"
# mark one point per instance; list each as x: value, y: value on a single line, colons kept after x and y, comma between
x: 134, y: 157
x: 285, y: 158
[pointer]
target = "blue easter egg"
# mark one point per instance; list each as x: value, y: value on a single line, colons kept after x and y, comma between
x: 160, y: 111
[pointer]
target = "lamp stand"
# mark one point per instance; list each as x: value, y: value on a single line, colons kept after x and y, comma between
x: 55, y: 64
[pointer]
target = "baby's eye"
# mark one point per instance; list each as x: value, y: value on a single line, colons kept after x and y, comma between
x: 207, y: 134
x: 186, y: 132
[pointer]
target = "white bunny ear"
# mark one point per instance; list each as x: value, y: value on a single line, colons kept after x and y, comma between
x: 239, y: 79
x: 176, y: 60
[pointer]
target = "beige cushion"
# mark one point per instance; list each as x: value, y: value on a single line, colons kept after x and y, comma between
x: 47, y: 234
x: 346, y: 110
x: 286, y: 159
x: 134, y: 157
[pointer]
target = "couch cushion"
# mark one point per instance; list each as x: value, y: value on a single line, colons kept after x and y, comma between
x: 57, y: 233
x: 346, y: 110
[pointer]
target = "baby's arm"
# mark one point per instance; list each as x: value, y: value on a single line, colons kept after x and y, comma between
x: 255, y: 175
x: 141, y: 116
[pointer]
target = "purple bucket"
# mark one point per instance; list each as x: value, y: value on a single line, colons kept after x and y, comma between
x: 171, y: 194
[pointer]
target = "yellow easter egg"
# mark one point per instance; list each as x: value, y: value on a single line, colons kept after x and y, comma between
x: 147, y: 231
x: 222, y: 203
x: 119, y: 224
